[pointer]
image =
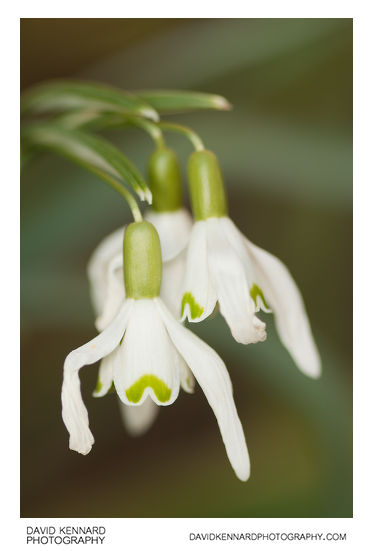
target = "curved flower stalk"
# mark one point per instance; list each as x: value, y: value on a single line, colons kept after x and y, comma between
x: 148, y: 354
x: 225, y: 267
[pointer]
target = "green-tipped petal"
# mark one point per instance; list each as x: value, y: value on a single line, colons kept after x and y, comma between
x: 199, y: 297
x: 147, y: 362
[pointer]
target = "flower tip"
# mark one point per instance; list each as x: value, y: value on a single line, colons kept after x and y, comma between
x: 313, y: 371
x: 82, y: 448
x: 244, y: 477
x: 243, y: 472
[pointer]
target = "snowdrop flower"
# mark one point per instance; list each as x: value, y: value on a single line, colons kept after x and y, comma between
x: 105, y: 273
x: 105, y: 268
x: 148, y: 354
x: 225, y: 267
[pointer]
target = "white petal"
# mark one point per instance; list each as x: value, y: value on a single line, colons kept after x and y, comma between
x: 138, y: 420
x: 238, y: 242
x: 232, y: 286
x: 199, y: 296
x: 287, y: 304
x: 147, y: 361
x: 97, y: 267
x: 105, y: 375
x: 115, y: 292
x: 174, y: 230
x: 173, y: 273
x: 187, y: 380
x: 74, y: 412
x: 213, y: 377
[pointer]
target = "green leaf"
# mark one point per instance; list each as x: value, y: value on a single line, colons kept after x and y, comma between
x: 92, y: 152
x: 67, y: 95
x: 176, y: 101
x: 91, y: 120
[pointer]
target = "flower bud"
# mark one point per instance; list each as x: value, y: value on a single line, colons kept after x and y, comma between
x: 206, y: 186
x: 142, y: 261
x: 165, y: 180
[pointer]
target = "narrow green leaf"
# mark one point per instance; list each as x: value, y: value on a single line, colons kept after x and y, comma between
x: 67, y: 95
x: 92, y: 152
x: 176, y: 101
x: 90, y: 120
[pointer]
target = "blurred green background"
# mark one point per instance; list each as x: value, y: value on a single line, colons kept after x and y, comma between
x: 286, y: 155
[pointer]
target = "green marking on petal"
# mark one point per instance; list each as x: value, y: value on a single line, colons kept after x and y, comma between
x: 98, y: 386
x: 195, y: 309
x: 256, y: 291
x: 162, y: 391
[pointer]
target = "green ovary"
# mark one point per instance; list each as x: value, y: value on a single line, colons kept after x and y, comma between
x: 256, y: 291
x: 161, y: 390
x: 195, y: 309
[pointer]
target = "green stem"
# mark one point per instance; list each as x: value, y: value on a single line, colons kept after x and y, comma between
x: 127, y: 195
x: 150, y: 127
x: 188, y: 132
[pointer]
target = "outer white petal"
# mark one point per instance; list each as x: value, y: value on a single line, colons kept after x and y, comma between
x: 287, y: 304
x: 115, y: 292
x: 232, y: 287
x: 174, y: 230
x: 198, y: 286
x: 137, y: 420
x: 146, y: 352
x: 173, y: 273
x: 74, y: 412
x: 213, y: 377
x: 97, y: 267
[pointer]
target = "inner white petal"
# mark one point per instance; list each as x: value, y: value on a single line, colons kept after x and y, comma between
x: 232, y: 287
x: 147, y: 362
x: 199, y: 296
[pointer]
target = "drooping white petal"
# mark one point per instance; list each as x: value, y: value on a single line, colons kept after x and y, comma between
x: 147, y: 362
x: 138, y: 420
x: 173, y: 273
x: 237, y: 242
x: 291, y: 318
x: 199, y: 296
x: 174, y: 230
x: 105, y: 375
x: 115, y: 292
x: 97, y: 267
x: 74, y: 412
x: 232, y: 287
x: 213, y: 377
